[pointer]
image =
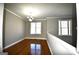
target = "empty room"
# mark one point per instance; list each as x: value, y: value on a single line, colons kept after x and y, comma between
x: 38, y: 29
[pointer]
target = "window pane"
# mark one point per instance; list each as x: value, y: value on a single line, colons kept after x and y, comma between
x: 64, y: 24
x: 38, y: 28
x: 65, y: 31
x: 32, y: 28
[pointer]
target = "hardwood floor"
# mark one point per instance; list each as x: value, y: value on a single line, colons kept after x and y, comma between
x: 23, y: 47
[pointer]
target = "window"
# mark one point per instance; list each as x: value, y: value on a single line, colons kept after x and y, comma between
x: 64, y: 27
x: 35, y: 27
x: 35, y: 49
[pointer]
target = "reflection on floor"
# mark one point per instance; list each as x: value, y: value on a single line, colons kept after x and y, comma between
x: 35, y: 49
x: 29, y: 47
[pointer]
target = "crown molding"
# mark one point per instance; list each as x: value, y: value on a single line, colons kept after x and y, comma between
x: 12, y: 12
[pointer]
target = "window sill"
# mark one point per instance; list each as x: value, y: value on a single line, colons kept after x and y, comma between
x: 64, y: 35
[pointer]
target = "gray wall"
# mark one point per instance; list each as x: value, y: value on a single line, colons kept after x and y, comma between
x: 43, y: 29
x: 52, y: 27
x: 14, y: 28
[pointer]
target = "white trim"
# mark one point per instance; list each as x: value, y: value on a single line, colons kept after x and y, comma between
x: 1, y: 26
x: 34, y: 38
x: 77, y: 27
x: 13, y: 44
x: 65, y: 45
x: 12, y: 13
x: 49, y: 47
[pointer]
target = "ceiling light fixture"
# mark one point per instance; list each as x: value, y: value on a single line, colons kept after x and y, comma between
x: 30, y: 18
x: 31, y: 12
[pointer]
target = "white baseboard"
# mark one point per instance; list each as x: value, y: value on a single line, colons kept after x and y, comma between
x: 35, y: 38
x: 13, y: 43
x: 49, y: 47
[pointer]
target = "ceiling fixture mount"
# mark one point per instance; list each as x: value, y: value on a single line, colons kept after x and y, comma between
x: 30, y: 11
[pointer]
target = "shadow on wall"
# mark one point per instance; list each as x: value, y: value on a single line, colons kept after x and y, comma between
x: 59, y: 47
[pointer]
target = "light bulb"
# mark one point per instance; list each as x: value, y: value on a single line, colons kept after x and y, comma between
x: 30, y: 19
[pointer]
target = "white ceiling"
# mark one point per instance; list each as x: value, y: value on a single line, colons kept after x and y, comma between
x: 45, y: 9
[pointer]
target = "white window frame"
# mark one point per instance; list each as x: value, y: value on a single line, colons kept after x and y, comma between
x: 36, y: 30
x: 69, y: 28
